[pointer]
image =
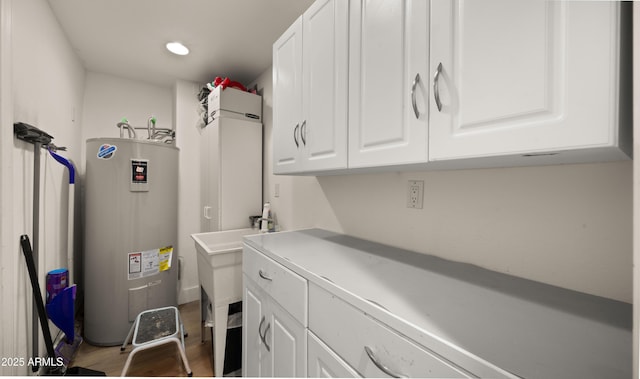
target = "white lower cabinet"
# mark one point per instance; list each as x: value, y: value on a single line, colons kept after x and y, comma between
x: 322, y: 304
x: 295, y: 328
x: 274, y: 340
x: 324, y: 362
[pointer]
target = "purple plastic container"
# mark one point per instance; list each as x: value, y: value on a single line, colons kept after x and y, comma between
x: 57, y: 281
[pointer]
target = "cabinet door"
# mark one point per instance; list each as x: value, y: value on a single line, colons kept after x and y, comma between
x: 522, y: 77
x: 253, y: 353
x: 288, y: 343
x: 274, y: 343
x: 287, y: 105
x: 324, y: 362
x: 323, y: 131
x: 387, y: 72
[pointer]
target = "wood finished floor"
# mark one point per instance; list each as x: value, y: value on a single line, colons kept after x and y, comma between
x: 160, y: 361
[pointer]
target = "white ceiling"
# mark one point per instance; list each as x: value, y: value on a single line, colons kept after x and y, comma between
x: 227, y: 38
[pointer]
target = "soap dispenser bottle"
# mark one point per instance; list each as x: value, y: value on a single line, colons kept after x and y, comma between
x: 266, y: 214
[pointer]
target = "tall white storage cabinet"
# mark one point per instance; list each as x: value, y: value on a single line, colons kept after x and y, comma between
x: 310, y: 67
x: 231, y: 165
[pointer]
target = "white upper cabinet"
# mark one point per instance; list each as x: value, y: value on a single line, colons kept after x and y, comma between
x: 287, y: 95
x: 388, y: 91
x: 525, y: 79
x: 310, y: 71
x: 363, y: 84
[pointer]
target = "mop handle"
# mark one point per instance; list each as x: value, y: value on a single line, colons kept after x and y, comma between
x: 72, y: 179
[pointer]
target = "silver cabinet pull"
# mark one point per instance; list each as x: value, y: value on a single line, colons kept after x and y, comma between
x: 260, y: 329
x: 436, y: 92
x: 413, y: 95
x: 303, y: 132
x: 264, y: 276
x: 263, y: 338
x: 295, y: 135
x: 379, y: 365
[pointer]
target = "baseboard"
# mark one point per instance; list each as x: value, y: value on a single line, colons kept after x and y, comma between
x: 187, y: 295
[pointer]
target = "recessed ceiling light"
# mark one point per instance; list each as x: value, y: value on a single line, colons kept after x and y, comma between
x: 177, y: 48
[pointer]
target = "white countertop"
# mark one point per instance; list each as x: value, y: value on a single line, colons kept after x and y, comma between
x: 527, y: 328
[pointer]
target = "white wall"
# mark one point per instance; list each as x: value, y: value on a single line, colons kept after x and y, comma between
x: 109, y: 98
x: 567, y: 225
x: 47, y: 82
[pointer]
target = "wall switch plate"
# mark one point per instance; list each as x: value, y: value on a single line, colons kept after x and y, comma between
x: 415, y: 194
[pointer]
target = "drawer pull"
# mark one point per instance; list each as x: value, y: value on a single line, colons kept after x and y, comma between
x: 379, y: 365
x: 264, y: 276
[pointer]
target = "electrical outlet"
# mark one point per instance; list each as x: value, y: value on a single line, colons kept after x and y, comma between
x: 415, y: 194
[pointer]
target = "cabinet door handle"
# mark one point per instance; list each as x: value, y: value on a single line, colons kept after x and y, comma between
x: 260, y: 328
x: 436, y: 92
x: 379, y: 365
x: 264, y: 340
x: 413, y: 95
x: 206, y: 212
x: 303, y: 132
x: 264, y: 276
x: 295, y: 135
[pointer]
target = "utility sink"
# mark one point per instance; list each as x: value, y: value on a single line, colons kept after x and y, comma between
x: 220, y: 275
x: 220, y: 264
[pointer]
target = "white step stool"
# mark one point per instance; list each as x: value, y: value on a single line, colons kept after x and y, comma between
x: 153, y: 328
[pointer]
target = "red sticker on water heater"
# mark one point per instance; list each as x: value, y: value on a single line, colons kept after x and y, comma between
x: 139, y: 171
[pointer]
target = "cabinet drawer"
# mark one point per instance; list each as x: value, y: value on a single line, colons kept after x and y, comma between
x: 370, y: 347
x: 283, y: 285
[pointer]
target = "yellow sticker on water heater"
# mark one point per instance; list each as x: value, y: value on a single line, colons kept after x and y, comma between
x: 141, y: 264
x: 165, y: 255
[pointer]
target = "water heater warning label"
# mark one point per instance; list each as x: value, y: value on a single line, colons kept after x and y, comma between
x: 147, y: 263
x: 139, y: 171
x: 139, y: 175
